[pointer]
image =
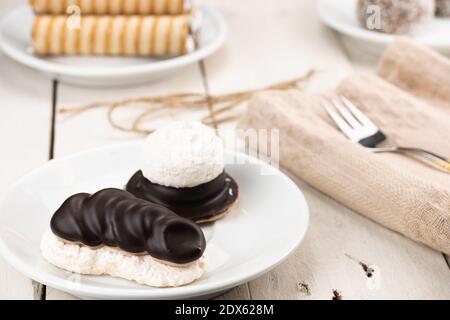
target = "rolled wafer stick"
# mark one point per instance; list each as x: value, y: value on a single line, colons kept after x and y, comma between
x: 111, y: 35
x: 102, y: 7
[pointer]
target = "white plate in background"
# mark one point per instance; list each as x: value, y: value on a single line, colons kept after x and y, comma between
x: 264, y: 228
x: 15, y: 41
x: 342, y: 17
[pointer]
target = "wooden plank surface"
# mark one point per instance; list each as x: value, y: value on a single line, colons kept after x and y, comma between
x: 341, y: 246
x: 24, y: 132
x: 344, y: 255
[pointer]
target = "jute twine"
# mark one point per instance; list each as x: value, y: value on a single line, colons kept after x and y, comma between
x: 221, y: 105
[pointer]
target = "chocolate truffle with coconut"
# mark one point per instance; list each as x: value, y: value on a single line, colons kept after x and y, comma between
x: 443, y: 8
x: 182, y: 168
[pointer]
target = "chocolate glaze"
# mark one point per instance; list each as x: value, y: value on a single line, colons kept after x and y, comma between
x: 200, y: 203
x: 116, y: 218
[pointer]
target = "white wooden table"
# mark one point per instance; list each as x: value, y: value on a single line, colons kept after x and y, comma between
x: 344, y: 256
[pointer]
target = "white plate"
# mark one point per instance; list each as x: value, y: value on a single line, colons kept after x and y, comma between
x: 267, y: 224
x: 15, y: 40
x: 342, y: 17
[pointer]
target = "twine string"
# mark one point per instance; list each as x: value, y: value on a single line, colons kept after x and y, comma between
x: 223, y: 105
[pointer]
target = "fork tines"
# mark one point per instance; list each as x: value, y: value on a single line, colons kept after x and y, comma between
x: 352, y: 122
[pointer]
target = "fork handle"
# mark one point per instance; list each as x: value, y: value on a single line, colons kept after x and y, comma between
x: 443, y: 164
x: 437, y: 160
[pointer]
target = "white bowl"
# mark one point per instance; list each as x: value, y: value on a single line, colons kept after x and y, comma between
x: 268, y: 223
x: 342, y: 17
x: 15, y: 41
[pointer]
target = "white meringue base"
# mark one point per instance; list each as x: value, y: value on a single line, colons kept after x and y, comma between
x: 114, y: 262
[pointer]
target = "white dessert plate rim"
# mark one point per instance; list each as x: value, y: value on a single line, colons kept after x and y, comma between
x: 152, y: 67
x: 203, y: 289
x: 334, y: 20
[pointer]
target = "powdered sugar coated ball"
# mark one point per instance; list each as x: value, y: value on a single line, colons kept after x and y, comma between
x: 183, y: 154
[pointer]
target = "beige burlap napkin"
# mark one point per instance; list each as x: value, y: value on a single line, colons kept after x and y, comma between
x: 412, y: 107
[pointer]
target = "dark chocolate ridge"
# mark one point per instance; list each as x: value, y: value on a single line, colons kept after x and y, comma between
x: 200, y: 203
x: 116, y: 218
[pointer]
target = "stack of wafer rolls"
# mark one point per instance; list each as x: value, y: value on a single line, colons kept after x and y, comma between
x: 111, y: 27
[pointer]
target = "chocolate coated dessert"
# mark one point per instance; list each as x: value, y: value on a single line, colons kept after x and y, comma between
x: 199, y: 204
x: 116, y: 218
